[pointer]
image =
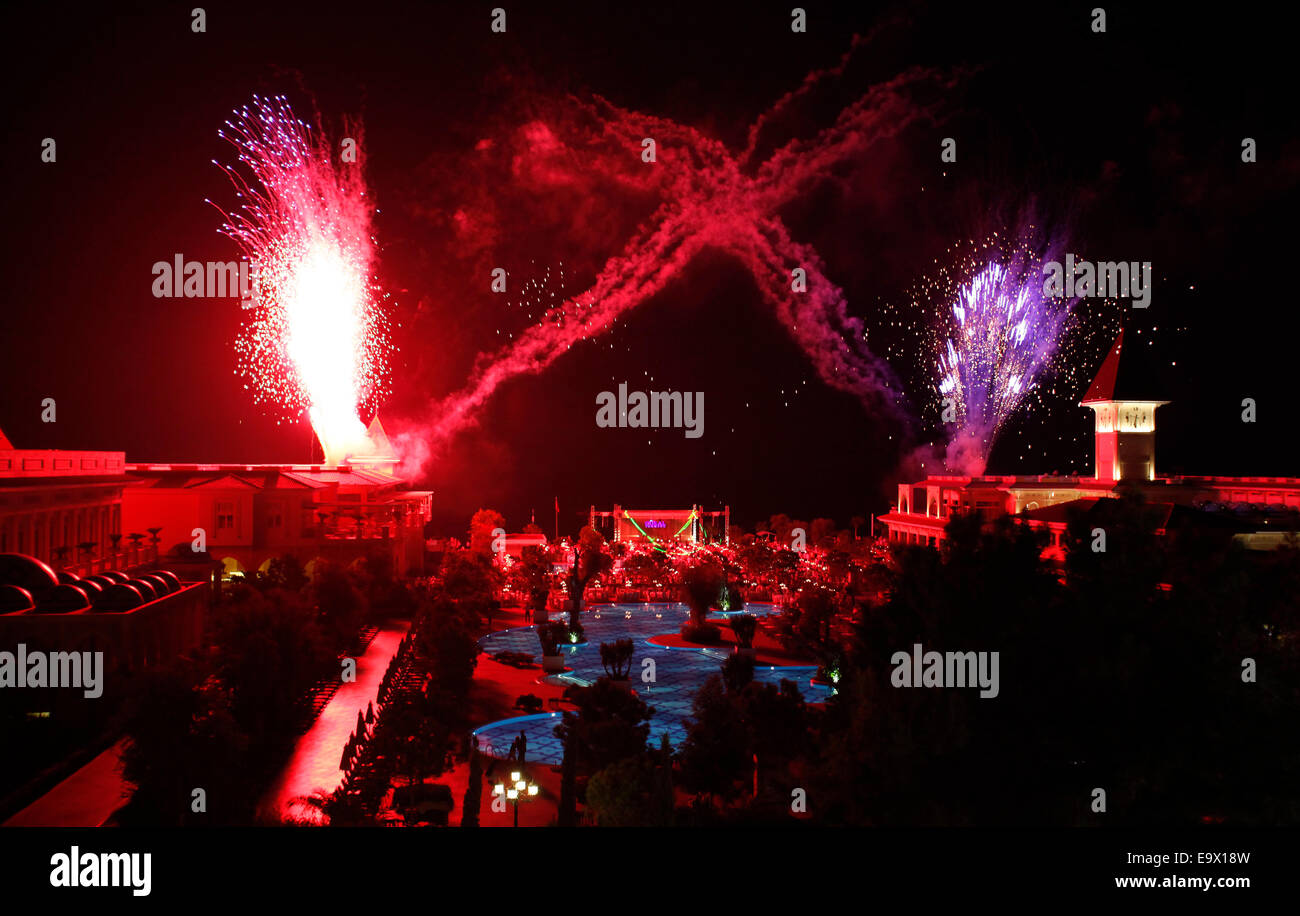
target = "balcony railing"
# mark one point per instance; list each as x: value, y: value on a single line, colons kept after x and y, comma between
x: 124, y: 559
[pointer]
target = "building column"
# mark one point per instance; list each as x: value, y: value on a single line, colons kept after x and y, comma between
x: 37, y: 548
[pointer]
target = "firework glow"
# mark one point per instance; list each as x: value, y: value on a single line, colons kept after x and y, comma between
x: 316, y: 338
x: 986, y: 336
x: 1003, y: 331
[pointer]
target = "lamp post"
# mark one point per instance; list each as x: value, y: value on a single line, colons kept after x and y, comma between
x: 518, y: 790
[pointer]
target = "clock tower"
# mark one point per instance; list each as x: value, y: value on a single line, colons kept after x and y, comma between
x: 1125, y: 434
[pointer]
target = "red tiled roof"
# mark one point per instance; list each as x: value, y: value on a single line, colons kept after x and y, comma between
x: 1103, y: 386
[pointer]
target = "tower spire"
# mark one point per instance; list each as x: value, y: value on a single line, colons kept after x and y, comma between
x: 1124, y: 437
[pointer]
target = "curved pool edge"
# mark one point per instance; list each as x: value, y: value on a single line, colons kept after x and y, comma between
x: 680, y: 674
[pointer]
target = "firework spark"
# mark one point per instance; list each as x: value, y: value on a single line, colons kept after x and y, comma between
x: 988, y: 336
x: 1003, y: 332
x: 316, y: 340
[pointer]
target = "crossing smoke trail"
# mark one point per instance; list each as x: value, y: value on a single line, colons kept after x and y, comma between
x: 711, y: 198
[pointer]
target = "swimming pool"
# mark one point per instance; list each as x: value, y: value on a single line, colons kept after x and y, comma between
x: 679, y: 673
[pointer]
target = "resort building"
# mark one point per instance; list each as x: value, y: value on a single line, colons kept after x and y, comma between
x: 516, y: 543
x: 65, y: 508
x: 246, y: 515
x: 1261, y: 511
x: 136, y: 619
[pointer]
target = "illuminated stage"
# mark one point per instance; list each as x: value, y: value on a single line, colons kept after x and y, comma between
x: 692, y: 526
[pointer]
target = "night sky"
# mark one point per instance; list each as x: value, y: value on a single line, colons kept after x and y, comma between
x: 1129, y: 140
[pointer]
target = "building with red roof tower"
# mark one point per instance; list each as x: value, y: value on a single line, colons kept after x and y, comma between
x: 1261, y: 512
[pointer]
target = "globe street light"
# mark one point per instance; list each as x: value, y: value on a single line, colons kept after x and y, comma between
x: 518, y: 790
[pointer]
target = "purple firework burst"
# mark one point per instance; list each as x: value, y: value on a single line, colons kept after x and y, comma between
x: 1002, y: 333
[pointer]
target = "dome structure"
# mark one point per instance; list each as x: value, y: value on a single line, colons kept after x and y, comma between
x: 15, y: 600
x: 120, y: 597
x: 148, y: 590
x: 161, y: 585
x: 66, y: 599
x: 28, y: 573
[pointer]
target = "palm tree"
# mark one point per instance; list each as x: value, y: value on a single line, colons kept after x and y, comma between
x: 589, y: 561
x: 341, y: 808
x: 701, y: 584
x: 315, y: 807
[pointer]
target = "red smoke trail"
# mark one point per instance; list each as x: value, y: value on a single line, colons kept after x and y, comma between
x: 711, y: 198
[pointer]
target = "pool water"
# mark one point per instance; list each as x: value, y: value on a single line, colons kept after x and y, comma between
x: 678, y: 673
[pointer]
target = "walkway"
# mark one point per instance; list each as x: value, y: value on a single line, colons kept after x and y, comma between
x: 87, y: 798
x: 314, y: 764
